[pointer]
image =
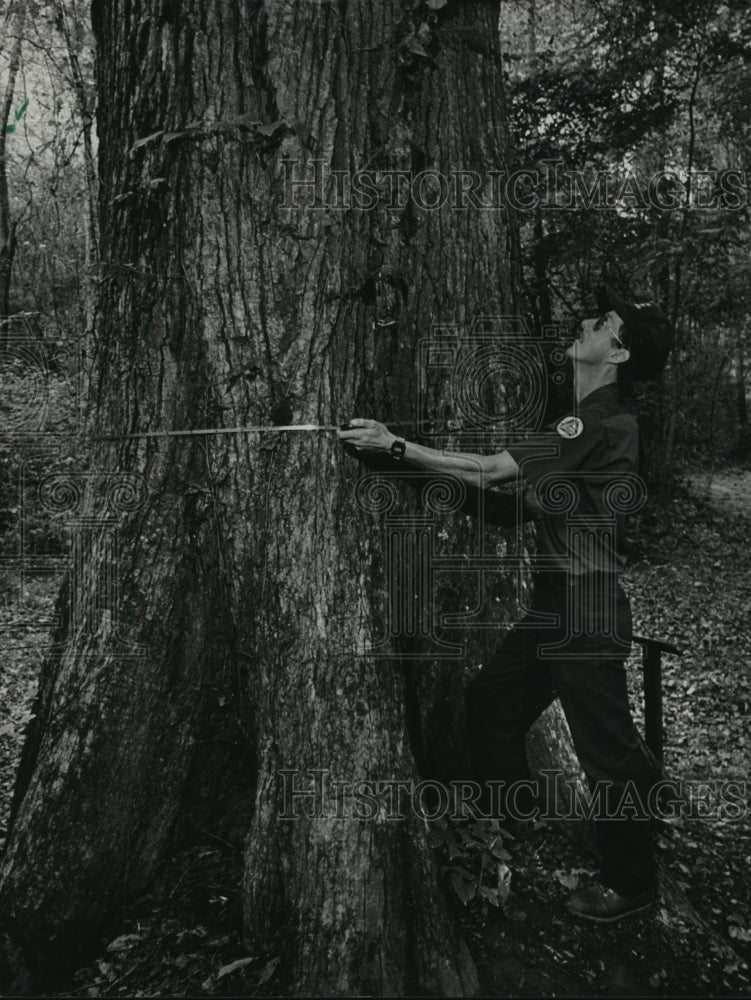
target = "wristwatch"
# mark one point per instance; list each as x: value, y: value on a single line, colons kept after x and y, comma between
x: 398, y: 448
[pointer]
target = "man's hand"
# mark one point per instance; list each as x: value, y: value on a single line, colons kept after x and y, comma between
x: 367, y: 435
x: 481, y: 471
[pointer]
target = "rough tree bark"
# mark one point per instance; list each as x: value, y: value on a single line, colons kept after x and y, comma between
x: 247, y: 571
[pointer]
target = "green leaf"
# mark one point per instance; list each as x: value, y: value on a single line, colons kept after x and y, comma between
x: 10, y: 128
x: 492, y: 895
x: 504, y: 881
x: 499, y: 853
x: 465, y: 890
x: 21, y: 111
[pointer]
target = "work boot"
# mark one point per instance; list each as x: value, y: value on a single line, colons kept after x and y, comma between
x: 605, y: 905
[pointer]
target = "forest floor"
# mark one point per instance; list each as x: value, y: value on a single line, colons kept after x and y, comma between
x: 690, y: 583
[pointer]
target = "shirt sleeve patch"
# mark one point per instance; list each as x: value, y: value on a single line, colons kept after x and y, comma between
x: 570, y: 427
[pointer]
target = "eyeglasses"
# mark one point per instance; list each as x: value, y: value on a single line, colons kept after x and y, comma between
x: 602, y: 321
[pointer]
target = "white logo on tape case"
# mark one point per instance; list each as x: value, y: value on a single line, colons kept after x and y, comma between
x: 570, y: 427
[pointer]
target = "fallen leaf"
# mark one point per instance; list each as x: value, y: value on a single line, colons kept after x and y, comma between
x: 124, y: 942
x: 269, y: 971
x: 568, y: 881
x: 239, y: 963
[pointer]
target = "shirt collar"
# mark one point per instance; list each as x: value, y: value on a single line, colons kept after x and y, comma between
x: 608, y: 397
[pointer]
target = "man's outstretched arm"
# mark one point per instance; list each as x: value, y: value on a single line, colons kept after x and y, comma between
x: 481, y: 471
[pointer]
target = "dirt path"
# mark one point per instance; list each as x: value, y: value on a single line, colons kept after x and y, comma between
x: 726, y: 491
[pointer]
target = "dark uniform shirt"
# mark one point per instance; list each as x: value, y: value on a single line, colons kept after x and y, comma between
x: 582, y: 476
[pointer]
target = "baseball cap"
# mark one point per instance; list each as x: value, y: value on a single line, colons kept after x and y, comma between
x: 649, y: 330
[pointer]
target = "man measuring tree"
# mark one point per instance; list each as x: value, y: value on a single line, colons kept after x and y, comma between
x: 575, y: 639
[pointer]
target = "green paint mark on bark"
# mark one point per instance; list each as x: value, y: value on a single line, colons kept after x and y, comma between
x: 20, y: 112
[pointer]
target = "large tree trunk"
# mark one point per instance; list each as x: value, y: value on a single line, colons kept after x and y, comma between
x: 248, y: 576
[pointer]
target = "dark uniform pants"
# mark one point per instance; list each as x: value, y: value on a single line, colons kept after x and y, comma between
x: 513, y: 689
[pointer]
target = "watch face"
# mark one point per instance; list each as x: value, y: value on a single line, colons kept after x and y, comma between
x: 397, y: 449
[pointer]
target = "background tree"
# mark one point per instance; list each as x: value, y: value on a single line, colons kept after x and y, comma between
x: 15, y: 16
x: 649, y: 95
x: 50, y: 269
x: 48, y: 172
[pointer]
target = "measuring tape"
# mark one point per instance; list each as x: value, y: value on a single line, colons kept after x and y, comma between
x: 269, y: 428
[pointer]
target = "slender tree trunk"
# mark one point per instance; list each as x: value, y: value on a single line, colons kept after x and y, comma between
x: 543, y: 308
x: 74, y: 27
x: 532, y: 19
x: 245, y: 570
x: 741, y: 402
x: 14, y: 26
x: 85, y: 108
